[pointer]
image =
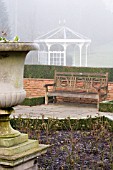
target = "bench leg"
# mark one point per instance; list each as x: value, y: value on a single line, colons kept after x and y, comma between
x: 54, y: 99
x: 98, y: 103
x: 98, y: 106
x: 46, y: 99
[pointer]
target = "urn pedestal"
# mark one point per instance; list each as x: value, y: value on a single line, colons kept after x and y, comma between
x: 16, y: 150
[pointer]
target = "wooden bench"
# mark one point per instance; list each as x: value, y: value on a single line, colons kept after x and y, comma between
x: 78, y: 85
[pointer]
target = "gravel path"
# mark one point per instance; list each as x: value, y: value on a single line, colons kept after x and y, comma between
x: 60, y: 111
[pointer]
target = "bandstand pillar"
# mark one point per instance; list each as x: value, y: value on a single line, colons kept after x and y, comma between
x: 80, y: 48
x: 48, y: 45
x: 65, y: 49
x: 87, y: 45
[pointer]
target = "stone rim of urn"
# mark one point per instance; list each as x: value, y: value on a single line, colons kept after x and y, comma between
x: 12, y: 58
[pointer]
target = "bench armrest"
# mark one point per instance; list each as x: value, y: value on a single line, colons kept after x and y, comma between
x: 46, y: 85
x: 46, y: 91
x: 103, y: 87
x: 100, y: 87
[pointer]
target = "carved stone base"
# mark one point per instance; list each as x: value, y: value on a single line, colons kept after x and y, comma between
x: 6, y: 131
x: 22, y: 153
x: 16, y: 150
x: 9, y: 142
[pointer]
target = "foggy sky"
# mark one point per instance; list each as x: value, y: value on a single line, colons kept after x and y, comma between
x: 92, y: 18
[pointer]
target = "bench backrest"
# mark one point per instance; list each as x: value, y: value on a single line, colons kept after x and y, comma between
x: 73, y: 81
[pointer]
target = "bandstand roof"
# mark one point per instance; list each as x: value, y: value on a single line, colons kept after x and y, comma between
x: 63, y: 34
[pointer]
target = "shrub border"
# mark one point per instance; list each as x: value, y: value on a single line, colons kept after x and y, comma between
x: 33, y: 101
x: 47, y: 71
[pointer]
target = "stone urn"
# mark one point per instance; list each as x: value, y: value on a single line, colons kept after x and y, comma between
x: 12, y: 57
x: 16, y: 150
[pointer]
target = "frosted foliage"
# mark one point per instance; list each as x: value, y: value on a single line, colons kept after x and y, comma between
x: 4, y: 23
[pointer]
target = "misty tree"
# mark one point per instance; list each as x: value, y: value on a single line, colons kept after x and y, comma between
x: 4, y: 22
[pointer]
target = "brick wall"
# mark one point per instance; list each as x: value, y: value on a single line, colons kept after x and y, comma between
x: 35, y: 88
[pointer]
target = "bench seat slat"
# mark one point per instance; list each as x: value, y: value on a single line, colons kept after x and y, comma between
x: 76, y: 94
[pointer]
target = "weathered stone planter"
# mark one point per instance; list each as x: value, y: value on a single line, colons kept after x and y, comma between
x: 16, y: 150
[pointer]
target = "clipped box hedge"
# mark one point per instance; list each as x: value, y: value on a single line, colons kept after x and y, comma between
x: 47, y: 71
x: 33, y: 101
x: 106, y: 106
x: 61, y: 124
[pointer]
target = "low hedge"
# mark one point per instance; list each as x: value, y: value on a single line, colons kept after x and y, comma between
x: 106, y: 106
x: 47, y: 72
x: 62, y: 124
x: 33, y: 101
